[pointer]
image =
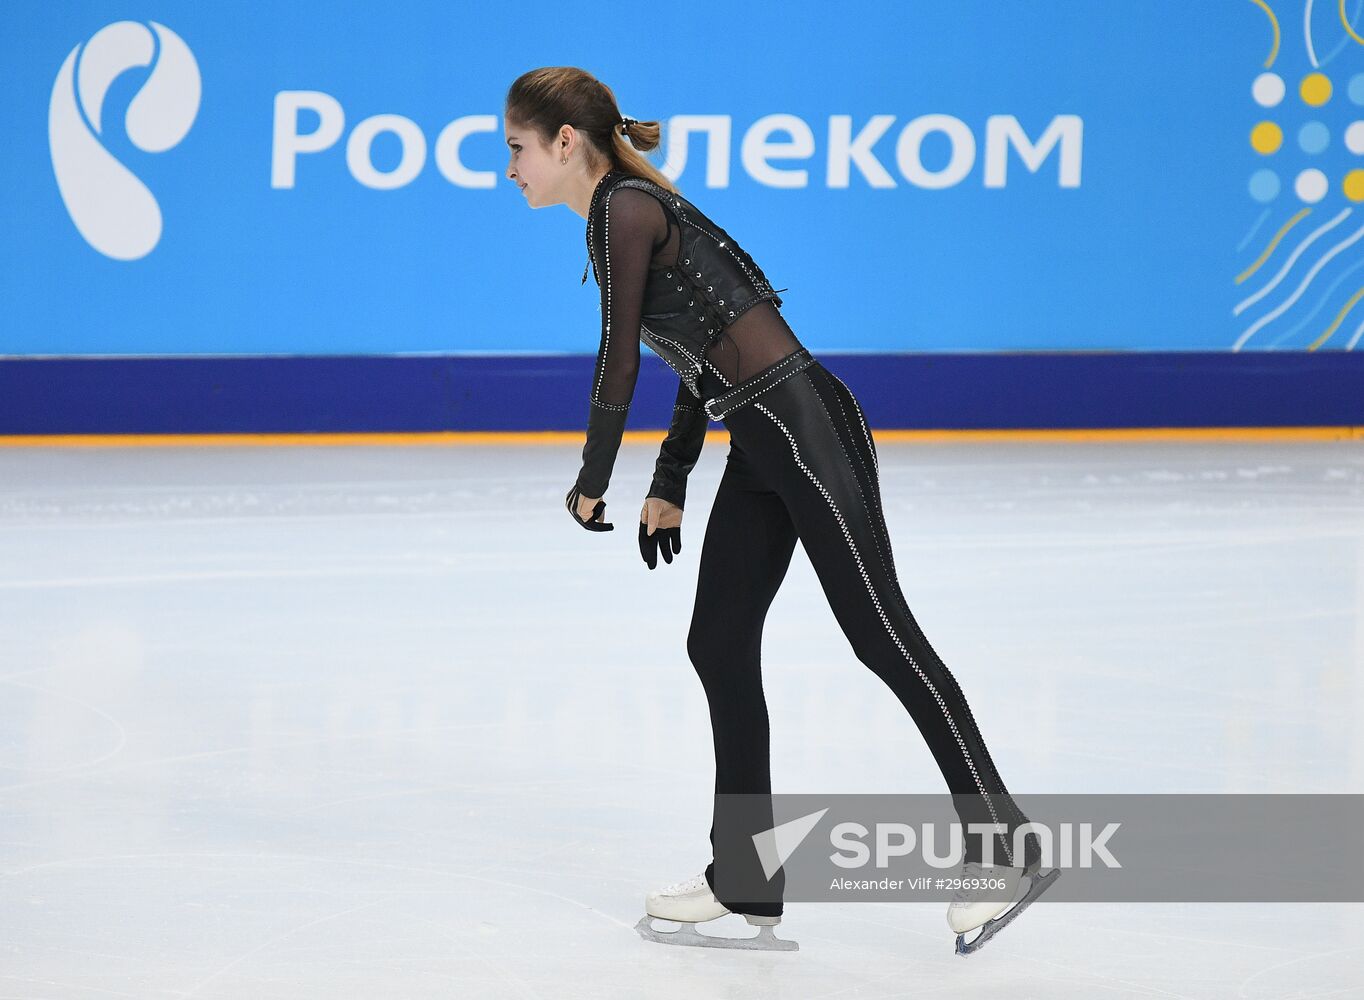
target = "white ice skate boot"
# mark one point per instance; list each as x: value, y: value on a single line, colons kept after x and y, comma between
x: 967, y: 910
x: 690, y: 903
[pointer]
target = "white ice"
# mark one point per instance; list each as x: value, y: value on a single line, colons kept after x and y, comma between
x: 332, y: 722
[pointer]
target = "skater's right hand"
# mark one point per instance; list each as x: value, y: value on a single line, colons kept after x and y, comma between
x: 587, y: 511
x: 660, y: 530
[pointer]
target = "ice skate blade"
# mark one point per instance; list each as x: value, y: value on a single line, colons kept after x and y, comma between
x: 994, y: 925
x: 687, y: 934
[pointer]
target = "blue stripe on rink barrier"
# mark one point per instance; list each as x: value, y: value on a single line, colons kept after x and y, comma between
x: 339, y: 393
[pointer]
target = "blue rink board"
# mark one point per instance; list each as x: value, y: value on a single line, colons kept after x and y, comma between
x: 354, y: 393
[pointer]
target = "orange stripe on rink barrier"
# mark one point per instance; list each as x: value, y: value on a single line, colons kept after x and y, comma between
x: 562, y: 437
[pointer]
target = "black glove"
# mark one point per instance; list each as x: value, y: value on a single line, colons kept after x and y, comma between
x: 665, y: 540
x: 595, y: 523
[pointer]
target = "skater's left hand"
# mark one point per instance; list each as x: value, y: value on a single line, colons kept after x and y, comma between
x: 587, y: 511
x: 660, y: 530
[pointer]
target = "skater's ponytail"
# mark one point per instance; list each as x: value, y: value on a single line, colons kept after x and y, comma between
x: 547, y: 98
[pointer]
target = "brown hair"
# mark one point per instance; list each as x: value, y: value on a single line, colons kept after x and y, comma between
x: 547, y: 98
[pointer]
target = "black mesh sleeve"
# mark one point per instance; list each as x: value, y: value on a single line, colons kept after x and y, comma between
x: 681, y: 448
x: 626, y: 228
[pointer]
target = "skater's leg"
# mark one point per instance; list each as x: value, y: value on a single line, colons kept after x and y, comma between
x: 747, y: 549
x: 818, y: 452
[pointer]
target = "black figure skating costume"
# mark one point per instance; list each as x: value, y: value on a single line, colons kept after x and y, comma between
x: 802, y: 464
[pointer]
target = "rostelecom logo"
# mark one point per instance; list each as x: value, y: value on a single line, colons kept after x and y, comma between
x: 111, y: 207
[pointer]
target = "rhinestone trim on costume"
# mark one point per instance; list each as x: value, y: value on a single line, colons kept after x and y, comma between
x: 890, y: 629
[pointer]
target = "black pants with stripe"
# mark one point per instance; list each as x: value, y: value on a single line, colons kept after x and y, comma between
x: 803, y: 465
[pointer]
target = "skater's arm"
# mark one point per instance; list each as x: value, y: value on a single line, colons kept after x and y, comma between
x: 681, y: 448
x: 627, y: 227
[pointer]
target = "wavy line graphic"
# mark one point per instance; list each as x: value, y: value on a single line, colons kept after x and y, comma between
x: 1340, y: 45
x: 1307, y: 32
x: 1272, y: 244
x: 1342, y: 42
x: 1255, y: 228
x: 1275, y: 314
x: 1346, y: 21
x: 1302, y: 247
x: 1339, y: 316
x: 1321, y: 304
x: 1274, y: 22
x: 1355, y: 339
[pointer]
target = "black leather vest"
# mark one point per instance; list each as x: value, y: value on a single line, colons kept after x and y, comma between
x: 687, y: 307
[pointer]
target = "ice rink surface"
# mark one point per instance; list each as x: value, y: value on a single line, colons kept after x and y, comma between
x: 334, y: 722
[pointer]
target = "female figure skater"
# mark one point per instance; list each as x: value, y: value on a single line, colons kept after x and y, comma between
x: 802, y: 464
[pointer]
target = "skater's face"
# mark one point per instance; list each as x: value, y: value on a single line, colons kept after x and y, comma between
x: 536, y: 168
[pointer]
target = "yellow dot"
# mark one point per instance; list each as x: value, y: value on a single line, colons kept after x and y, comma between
x: 1266, y: 138
x: 1315, y: 89
x: 1353, y: 186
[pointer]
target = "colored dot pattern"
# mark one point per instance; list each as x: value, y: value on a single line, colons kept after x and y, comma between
x: 1354, y: 138
x: 1310, y: 185
x: 1264, y: 186
x: 1266, y: 138
x: 1313, y: 138
x: 1315, y: 89
x: 1268, y: 89
x: 1356, y: 89
x: 1353, y: 185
